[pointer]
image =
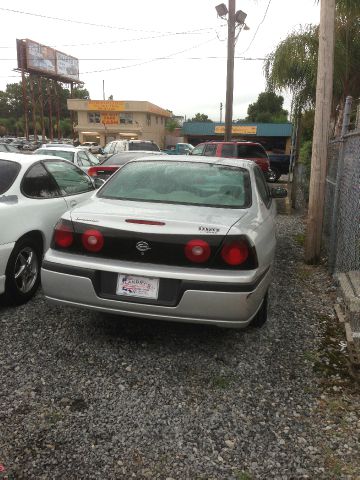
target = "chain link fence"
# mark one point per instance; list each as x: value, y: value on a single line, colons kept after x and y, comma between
x: 341, y: 232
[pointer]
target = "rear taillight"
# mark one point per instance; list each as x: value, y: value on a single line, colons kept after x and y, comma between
x: 92, y: 172
x: 63, y: 235
x: 197, y: 251
x: 235, y: 253
x: 92, y: 240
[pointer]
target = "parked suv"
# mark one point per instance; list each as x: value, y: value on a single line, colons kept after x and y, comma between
x: 118, y: 146
x: 235, y: 149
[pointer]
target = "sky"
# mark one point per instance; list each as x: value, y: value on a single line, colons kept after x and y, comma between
x: 168, y: 52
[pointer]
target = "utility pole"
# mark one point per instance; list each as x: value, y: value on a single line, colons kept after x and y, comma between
x: 324, y: 86
x: 230, y: 71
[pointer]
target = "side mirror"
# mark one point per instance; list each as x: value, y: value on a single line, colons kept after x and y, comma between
x: 278, y: 192
x: 98, y: 182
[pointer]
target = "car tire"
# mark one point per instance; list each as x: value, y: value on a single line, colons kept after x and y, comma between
x: 273, y: 175
x: 261, y: 316
x: 23, y: 272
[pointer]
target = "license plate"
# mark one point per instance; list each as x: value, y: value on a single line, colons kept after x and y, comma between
x: 135, y: 286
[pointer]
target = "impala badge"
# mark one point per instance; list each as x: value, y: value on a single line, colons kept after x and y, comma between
x: 143, y: 247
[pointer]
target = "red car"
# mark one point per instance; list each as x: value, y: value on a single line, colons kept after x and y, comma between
x: 235, y: 149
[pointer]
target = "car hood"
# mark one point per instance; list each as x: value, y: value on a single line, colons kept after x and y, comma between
x: 176, y: 219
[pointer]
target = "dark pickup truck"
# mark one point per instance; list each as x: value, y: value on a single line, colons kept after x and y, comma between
x: 279, y: 165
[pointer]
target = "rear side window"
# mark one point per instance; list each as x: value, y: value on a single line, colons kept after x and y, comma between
x: 71, y: 179
x: 37, y: 183
x: 210, y: 150
x: 109, y: 148
x: 151, y: 147
x: 8, y: 173
x: 198, y: 150
x: 262, y: 187
x: 228, y: 150
x: 251, y: 151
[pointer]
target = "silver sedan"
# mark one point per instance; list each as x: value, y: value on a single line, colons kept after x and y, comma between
x: 189, y: 239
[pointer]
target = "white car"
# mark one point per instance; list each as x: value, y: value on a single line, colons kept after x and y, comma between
x: 35, y: 190
x: 78, y: 156
x: 190, y: 239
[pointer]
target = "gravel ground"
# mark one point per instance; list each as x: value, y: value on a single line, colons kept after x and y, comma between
x: 90, y: 396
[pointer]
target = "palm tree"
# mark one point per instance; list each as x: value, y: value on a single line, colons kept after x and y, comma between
x: 293, y: 64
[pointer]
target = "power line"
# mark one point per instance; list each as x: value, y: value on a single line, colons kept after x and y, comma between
x: 151, y: 60
x: 114, y: 27
x: 188, y: 32
x: 208, y: 57
x: 256, y: 31
x: 256, y: 59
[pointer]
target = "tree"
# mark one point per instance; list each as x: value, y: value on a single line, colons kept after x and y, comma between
x: 267, y: 109
x: 200, y: 117
x: 12, y: 107
x: 171, y: 124
x: 293, y: 64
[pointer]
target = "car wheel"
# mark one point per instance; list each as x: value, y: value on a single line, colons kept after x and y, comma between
x: 273, y: 175
x: 23, y: 272
x: 261, y: 316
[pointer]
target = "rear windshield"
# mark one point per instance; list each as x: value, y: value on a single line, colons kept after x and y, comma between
x: 57, y: 153
x: 250, y: 151
x: 8, y: 173
x: 152, y: 147
x: 184, y: 183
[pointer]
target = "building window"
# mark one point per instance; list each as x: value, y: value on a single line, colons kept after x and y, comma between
x: 161, y: 120
x: 148, y: 119
x: 94, y: 117
x: 126, y: 118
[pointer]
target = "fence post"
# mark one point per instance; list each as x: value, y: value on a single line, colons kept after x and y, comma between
x: 339, y: 172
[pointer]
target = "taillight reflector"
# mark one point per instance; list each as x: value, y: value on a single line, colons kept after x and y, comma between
x: 92, y: 240
x: 144, y: 222
x: 197, y: 251
x: 63, y: 236
x: 235, y: 253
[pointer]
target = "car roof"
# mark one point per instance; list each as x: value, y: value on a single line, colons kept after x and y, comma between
x: 230, y: 162
x: 61, y: 147
x: 235, y: 142
x: 27, y: 160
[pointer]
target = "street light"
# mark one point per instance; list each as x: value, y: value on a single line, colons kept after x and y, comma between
x: 235, y: 19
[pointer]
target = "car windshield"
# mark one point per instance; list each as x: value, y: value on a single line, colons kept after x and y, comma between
x: 186, y: 183
x: 57, y: 153
x: 152, y: 147
x: 250, y: 151
x: 123, y: 157
x: 93, y: 160
x: 8, y: 173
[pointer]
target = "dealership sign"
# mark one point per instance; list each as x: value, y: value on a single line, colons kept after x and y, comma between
x: 244, y: 129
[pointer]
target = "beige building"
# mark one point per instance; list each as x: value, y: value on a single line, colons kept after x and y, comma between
x: 103, y: 121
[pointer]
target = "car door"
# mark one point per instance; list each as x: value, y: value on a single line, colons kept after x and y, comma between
x: 75, y: 185
x: 41, y: 204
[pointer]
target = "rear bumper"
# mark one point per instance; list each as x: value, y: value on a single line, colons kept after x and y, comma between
x: 222, y: 303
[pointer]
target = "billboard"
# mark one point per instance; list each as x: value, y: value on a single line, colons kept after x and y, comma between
x: 33, y: 57
x: 40, y: 58
x: 67, y: 66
